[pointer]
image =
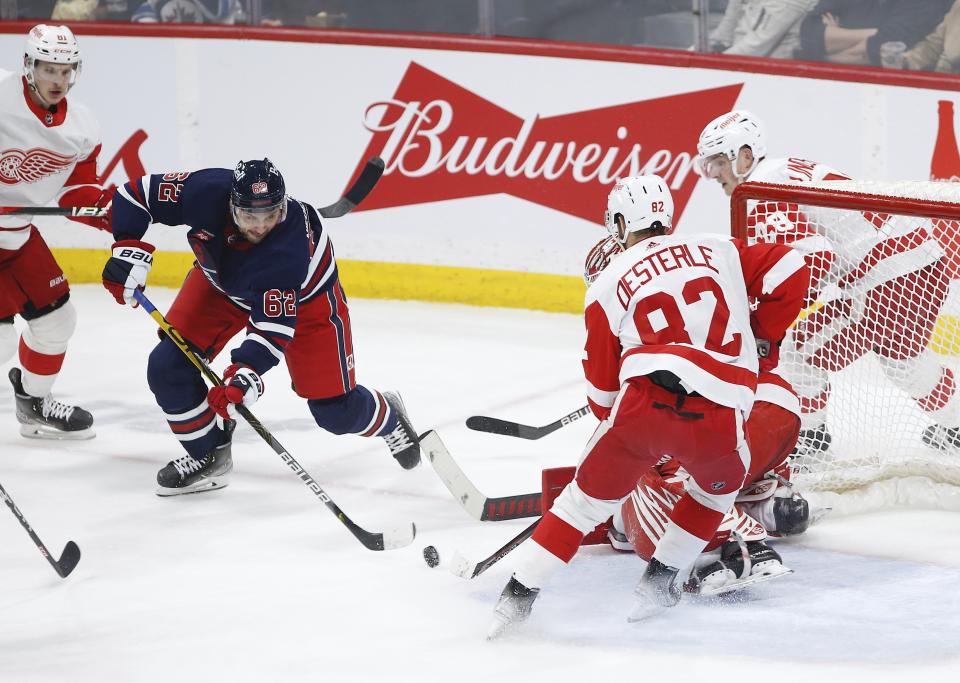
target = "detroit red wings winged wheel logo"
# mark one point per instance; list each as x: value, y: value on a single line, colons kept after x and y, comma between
x: 36, y: 164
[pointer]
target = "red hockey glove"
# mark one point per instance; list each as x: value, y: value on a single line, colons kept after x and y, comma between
x: 92, y: 196
x: 240, y: 385
x: 127, y: 269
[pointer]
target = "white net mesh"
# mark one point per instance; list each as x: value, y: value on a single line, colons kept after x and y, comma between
x: 874, y: 357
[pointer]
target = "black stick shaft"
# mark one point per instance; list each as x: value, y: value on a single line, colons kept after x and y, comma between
x: 373, y: 541
x: 71, y: 553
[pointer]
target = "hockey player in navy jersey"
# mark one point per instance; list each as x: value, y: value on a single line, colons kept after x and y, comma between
x: 264, y: 263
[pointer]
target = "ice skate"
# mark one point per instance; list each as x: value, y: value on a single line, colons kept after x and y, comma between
x: 48, y: 418
x: 740, y: 565
x: 190, y: 475
x: 656, y: 591
x: 403, y: 442
x: 942, y: 438
x: 513, y: 607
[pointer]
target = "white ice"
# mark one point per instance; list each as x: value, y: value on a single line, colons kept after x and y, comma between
x: 259, y: 582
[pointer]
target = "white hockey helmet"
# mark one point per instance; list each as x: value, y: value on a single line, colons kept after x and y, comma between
x: 644, y: 202
x: 55, y: 44
x: 726, y: 135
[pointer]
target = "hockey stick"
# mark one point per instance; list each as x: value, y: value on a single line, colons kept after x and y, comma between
x: 358, y: 191
x: 466, y: 569
x: 85, y: 211
x: 71, y: 552
x: 463, y: 490
x: 368, y: 178
x: 481, y: 423
x: 396, y: 537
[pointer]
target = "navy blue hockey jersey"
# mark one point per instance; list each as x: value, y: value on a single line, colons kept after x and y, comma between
x: 291, y: 266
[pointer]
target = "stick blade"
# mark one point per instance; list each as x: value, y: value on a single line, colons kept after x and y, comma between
x: 491, y: 425
x: 399, y: 537
x: 68, y: 560
x: 461, y: 566
x: 358, y: 191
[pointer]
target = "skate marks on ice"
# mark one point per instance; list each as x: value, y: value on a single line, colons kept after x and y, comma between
x: 835, y: 608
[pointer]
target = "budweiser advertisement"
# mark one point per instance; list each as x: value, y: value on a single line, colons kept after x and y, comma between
x: 441, y: 141
x: 493, y: 160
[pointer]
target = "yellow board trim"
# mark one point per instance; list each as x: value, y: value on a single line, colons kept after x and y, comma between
x: 381, y: 280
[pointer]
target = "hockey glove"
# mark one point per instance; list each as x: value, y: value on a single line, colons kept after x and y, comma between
x: 92, y: 197
x: 127, y: 269
x: 240, y: 385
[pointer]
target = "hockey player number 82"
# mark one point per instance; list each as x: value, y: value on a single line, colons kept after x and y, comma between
x: 675, y: 330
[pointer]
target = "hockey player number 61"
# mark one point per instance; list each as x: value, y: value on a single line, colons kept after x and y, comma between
x: 675, y: 331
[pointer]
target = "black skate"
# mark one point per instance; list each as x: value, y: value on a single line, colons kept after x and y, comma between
x: 656, y: 591
x: 48, y: 418
x: 740, y: 565
x: 189, y: 475
x: 403, y: 442
x: 513, y: 607
x: 942, y: 438
x: 811, y: 444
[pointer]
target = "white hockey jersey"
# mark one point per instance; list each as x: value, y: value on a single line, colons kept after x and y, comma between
x: 43, y: 154
x: 862, y: 250
x: 680, y: 303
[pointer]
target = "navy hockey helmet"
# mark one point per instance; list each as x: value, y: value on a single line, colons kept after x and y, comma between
x: 258, y: 187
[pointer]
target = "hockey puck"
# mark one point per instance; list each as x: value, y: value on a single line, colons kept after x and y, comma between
x: 431, y: 556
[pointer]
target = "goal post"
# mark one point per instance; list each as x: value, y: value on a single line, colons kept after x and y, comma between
x: 875, y: 356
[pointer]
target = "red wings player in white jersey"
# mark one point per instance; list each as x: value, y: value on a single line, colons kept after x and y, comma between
x: 671, y: 365
x: 766, y: 505
x: 889, y: 273
x: 48, y: 153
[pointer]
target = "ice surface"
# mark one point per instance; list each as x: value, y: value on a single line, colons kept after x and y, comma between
x: 259, y: 582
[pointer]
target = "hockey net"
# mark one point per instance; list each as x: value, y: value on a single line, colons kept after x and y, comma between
x: 874, y: 356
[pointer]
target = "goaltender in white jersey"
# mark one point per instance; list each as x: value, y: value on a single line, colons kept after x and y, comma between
x: 48, y: 155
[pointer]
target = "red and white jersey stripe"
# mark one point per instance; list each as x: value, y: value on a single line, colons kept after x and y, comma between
x: 680, y: 303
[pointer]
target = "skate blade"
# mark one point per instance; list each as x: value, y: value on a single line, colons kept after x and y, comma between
x: 38, y: 431
x: 643, y: 611
x: 497, y: 627
x: 199, y: 487
x: 752, y: 580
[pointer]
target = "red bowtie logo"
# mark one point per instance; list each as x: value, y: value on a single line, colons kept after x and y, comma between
x: 441, y: 141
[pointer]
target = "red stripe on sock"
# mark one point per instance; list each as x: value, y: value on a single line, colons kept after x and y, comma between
x: 382, y: 413
x: 39, y: 363
x: 558, y: 537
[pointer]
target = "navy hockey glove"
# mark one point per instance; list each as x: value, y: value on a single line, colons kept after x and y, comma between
x: 240, y: 385
x: 127, y: 269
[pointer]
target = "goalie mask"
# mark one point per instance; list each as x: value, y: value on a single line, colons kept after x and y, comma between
x: 725, y: 136
x: 257, y: 188
x: 644, y: 202
x: 599, y: 257
x: 53, y: 44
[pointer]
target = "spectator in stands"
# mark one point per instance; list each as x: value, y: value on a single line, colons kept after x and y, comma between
x: 764, y: 28
x: 91, y: 10
x: 939, y: 51
x: 852, y: 31
x: 189, y: 12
